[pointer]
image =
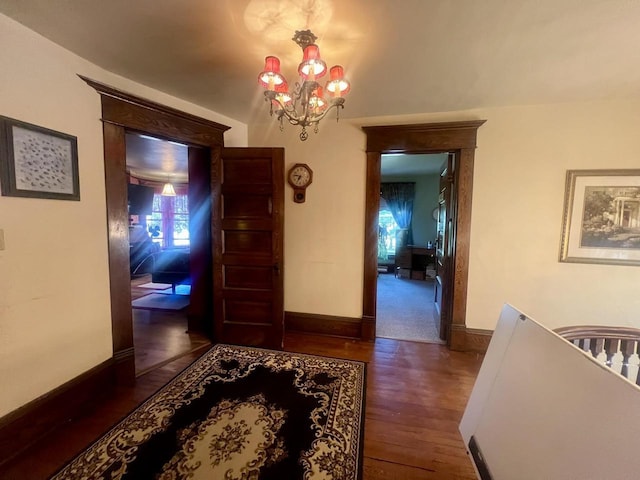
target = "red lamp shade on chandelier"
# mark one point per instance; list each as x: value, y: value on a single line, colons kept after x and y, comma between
x: 337, y: 86
x: 312, y: 66
x: 306, y: 104
x: 317, y: 101
x: 270, y: 78
x: 282, y: 94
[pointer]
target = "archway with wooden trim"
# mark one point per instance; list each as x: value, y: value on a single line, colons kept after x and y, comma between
x: 452, y: 137
x: 122, y: 112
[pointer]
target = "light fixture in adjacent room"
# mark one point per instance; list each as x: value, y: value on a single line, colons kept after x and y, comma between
x: 306, y: 105
x: 168, y: 190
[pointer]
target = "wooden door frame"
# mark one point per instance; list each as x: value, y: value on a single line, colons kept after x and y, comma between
x: 455, y: 137
x: 122, y: 112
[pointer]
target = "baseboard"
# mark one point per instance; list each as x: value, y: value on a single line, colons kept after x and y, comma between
x: 462, y: 339
x: 26, y: 425
x: 368, y: 329
x: 458, y: 338
x: 465, y: 339
x: 322, y: 324
x: 124, y: 365
x: 478, y: 340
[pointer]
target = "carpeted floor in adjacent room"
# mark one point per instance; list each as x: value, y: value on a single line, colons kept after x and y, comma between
x: 405, y: 309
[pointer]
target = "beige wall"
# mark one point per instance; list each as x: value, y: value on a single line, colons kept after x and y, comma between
x: 55, y: 320
x: 522, y: 157
x: 323, y: 258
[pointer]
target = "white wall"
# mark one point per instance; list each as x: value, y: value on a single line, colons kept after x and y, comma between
x: 55, y: 319
x: 519, y: 184
x: 323, y: 238
x: 522, y: 157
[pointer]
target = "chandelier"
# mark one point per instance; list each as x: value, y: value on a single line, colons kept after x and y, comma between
x: 306, y: 105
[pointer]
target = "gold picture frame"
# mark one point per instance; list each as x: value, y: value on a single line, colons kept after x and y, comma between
x: 601, y: 220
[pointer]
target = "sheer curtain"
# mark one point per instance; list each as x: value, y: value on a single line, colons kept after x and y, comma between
x: 168, y: 206
x: 399, y: 197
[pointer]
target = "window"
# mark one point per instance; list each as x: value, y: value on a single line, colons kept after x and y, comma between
x: 168, y: 223
x: 387, y: 230
x: 181, y: 221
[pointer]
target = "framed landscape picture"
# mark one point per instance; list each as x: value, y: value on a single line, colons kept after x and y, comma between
x: 601, y: 221
x: 37, y: 162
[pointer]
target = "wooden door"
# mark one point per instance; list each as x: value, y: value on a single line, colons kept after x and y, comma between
x: 444, y: 250
x: 247, y: 232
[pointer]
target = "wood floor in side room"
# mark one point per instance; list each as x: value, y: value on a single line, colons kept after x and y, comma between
x: 416, y: 394
x: 160, y: 336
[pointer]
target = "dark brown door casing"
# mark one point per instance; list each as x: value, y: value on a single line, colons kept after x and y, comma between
x: 247, y: 229
x: 456, y: 137
x: 444, y: 249
x: 122, y: 112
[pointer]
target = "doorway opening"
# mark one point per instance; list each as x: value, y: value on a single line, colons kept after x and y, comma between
x: 458, y: 138
x: 159, y: 250
x: 406, y: 247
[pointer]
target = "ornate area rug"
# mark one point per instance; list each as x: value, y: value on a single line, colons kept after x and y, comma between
x: 240, y: 413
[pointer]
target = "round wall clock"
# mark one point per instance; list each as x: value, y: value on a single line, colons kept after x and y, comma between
x: 300, y: 177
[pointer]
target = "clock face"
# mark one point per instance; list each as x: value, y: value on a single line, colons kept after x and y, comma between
x: 300, y: 176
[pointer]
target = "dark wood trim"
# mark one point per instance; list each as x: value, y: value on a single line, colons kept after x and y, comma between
x: 125, y: 366
x: 478, y: 340
x: 118, y: 221
x: 368, y: 329
x: 414, y: 138
x: 462, y: 204
x: 26, y: 425
x: 122, y: 112
x: 458, y: 337
x: 458, y: 137
x: 200, y: 258
x: 372, y: 202
x: 577, y: 332
x: 138, y: 113
x: 322, y: 324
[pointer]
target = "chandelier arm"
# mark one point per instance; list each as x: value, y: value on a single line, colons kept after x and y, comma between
x: 305, y: 120
x: 335, y: 105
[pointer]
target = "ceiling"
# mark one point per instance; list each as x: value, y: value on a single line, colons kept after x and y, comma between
x: 150, y: 158
x: 402, y: 57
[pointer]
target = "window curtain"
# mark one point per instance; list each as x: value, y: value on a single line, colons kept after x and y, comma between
x: 399, y: 197
x: 167, y: 206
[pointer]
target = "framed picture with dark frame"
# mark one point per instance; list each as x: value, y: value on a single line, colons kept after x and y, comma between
x: 601, y: 221
x: 37, y: 162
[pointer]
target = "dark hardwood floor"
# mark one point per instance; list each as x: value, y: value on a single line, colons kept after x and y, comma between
x: 160, y: 336
x: 416, y: 394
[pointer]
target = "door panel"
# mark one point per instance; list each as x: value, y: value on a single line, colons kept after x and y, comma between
x: 248, y: 186
x: 259, y: 278
x: 247, y: 206
x: 241, y: 242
